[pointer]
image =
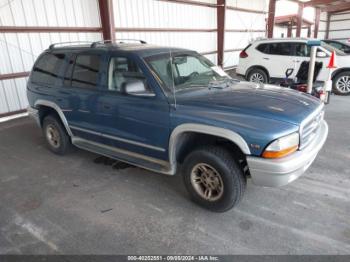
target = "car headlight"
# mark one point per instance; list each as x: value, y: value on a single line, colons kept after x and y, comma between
x: 282, y: 146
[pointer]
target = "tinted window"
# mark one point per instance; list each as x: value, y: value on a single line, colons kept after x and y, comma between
x: 280, y: 49
x: 86, y: 71
x: 121, y: 71
x: 264, y: 48
x: 302, y: 49
x: 47, y: 69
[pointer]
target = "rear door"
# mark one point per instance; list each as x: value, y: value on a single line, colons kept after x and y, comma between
x: 277, y: 58
x: 82, y: 82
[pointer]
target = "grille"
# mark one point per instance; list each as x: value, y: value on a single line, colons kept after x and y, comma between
x: 310, y: 127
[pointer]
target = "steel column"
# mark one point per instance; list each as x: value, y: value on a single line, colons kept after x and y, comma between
x: 221, y: 12
x: 290, y: 29
x: 299, y: 19
x: 317, y: 21
x: 271, y: 18
x: 327, y: 25
x: 107, y: 19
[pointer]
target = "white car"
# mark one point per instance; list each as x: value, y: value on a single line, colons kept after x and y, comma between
x: 266, y: 60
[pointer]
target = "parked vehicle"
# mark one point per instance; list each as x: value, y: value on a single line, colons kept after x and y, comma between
x: 266, y: 60
x: 339, y: 45
x: 171, y: 111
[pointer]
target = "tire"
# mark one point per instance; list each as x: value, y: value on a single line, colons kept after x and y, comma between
x: 220, y: 163
x: 341, y: 84
x: 57, y: 139
x: 257, y: 75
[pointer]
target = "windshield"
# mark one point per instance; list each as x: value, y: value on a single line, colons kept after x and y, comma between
x: 331, y: 48
x: 185, y: 71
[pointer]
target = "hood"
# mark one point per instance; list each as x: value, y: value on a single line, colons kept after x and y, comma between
x: 266, y: 101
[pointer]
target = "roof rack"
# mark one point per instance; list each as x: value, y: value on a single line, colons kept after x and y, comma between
x: 52, y: 46
x: 95, y: 44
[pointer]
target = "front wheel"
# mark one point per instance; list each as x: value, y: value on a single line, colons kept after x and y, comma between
x: 341, y: 84
x: 213, y: 178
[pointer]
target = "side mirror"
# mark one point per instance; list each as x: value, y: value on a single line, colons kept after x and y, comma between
x: 321, y: 54
x: 137, y: 88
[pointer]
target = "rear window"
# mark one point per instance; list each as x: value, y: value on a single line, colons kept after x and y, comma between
x: 84, y: 72
x: 48, y: 68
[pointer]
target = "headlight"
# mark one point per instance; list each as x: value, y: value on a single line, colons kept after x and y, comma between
x: 282, y: 146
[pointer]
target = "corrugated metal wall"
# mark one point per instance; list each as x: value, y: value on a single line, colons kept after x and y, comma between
x: 18, y: 51
x: 339, y: 27
x: 253, y: 24
x: 152, y: 19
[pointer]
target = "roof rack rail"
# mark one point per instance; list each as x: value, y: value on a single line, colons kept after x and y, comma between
x: 52, y: 46
x: 95, y: 44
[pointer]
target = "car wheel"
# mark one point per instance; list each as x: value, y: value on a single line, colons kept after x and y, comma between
x: 257, y: 76
x: 56, y: 136
x: 213, y: 178
x: 341, y: 84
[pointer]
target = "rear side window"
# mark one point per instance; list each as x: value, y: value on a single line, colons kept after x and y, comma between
x: 48, y: 68
x: 84, y: 72
x: 263, y: 48
x: 280, y: 49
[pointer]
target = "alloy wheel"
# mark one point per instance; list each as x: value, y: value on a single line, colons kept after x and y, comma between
x: 343, y: 84
x: 207, y: 182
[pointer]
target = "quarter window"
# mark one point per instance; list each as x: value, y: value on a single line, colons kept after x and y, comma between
x: 48, y: 68
x: 85, y: 71
x: 123, y: 70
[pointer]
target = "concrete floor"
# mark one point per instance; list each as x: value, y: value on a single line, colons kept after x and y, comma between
x: 72, y: 205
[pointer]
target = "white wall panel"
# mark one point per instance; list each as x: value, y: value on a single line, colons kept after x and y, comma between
x: 159, y: 14
x: 251, y: 4
x: 198, y: 41
x: 343, y: 25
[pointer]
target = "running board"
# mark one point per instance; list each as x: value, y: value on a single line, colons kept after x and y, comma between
x: 132, y: 158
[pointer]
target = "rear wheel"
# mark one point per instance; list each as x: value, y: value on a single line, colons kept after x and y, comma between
x: 55, y: 134
x: 257, y: 75
x: 213, y: 178
x: 341, y: 84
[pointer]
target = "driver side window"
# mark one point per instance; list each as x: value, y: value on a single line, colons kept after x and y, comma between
x: 123, y: 71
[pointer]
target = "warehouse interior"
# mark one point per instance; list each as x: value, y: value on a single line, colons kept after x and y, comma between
x: 80, y: 204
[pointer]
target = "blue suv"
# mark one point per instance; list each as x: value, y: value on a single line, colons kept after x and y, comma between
x: 171, y: 111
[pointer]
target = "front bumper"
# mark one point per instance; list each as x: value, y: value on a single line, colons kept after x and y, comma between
x: 279, y: 172
x: 34, y: 113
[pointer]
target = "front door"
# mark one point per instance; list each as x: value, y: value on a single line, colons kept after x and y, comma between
x: 136, y: 123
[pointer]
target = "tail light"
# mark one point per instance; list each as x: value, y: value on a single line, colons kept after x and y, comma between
x: 243, y: 54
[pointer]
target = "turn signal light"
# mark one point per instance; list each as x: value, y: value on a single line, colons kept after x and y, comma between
x: 279, y: 154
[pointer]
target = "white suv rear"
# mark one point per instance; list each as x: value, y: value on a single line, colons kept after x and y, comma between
x: 267, y: 61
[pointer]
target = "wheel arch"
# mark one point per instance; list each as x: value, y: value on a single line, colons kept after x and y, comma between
x: 186, y: 136
x: 340, y: 70
x: 46, y: 107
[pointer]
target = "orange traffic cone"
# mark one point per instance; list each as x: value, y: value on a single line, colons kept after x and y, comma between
x: 331, y: 63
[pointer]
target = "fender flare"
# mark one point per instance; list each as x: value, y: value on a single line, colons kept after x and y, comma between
x: 203, y: 129
x: 41, y: 102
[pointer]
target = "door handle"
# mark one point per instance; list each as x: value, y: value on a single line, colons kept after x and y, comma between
x: 265, y: 58
x: 296, y: 61
x: 106, y: 106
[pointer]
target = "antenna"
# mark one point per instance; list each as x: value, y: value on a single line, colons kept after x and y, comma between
x: 172, y: 76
